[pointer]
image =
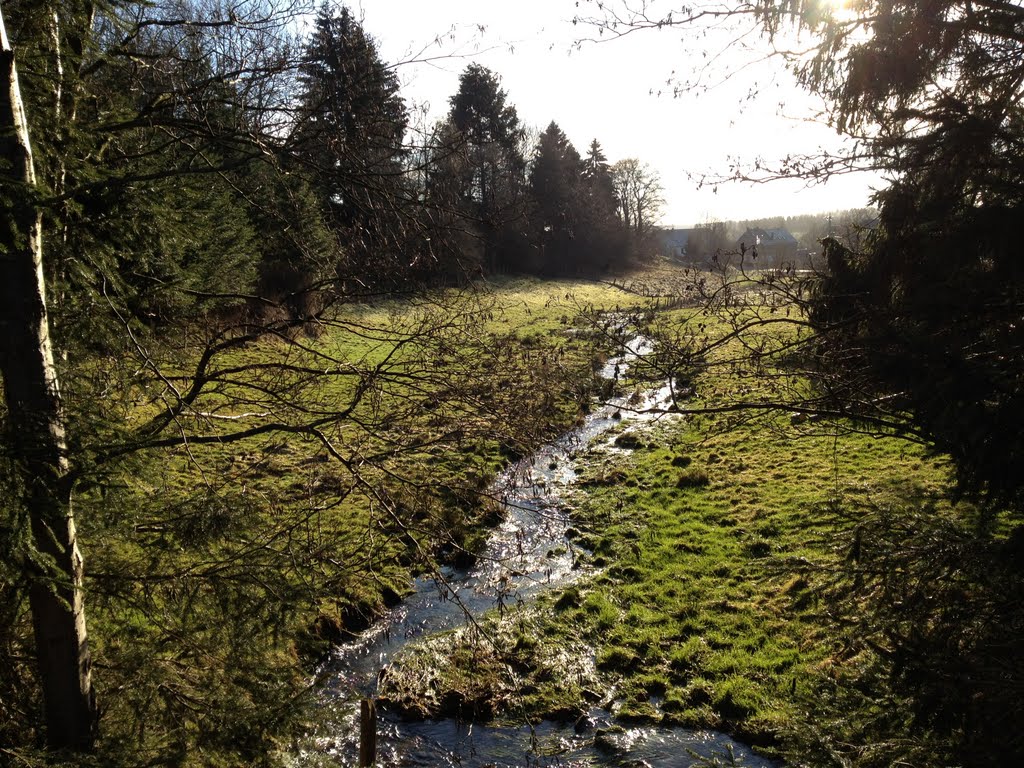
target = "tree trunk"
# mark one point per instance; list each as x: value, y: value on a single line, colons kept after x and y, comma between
x: 36, y: 433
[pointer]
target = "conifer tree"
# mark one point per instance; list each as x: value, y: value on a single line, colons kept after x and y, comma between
x: 453, y: 246
x: 493, y: 181
x: 607, y: 244
x: 598, y: 182
x: 349, y: 138
x: 132, y: 107
x: 556, y: 183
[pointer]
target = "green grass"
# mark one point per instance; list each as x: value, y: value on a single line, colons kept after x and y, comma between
x: 707, y: 595
x: 218, y: 572
x: 714, y: 543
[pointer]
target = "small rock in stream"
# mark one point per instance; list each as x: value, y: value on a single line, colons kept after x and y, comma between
x: 609, y: 739
x: 584, y: 723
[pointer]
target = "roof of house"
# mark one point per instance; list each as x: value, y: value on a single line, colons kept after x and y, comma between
x: 757, y: 236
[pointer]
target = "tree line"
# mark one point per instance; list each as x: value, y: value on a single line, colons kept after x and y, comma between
x: 194, y: 153
x: 809, y: 229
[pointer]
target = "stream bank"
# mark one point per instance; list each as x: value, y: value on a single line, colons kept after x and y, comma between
x: 439, y: 667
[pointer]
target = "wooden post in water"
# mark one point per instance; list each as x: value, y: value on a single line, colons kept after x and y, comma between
x: 367, y: 733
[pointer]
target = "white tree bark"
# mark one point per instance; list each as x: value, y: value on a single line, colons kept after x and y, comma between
x: 36, y: 432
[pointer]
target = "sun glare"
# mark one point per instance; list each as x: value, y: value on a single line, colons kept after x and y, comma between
x: 840, y: 9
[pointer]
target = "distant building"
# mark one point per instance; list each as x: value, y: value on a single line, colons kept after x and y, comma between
x: 697, y: 246
x: 675, y: 242
x: 767, y: 248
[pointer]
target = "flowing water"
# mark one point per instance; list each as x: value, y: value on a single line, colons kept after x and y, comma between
x: 527, y: 553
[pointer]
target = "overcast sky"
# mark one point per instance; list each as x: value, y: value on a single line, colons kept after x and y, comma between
x: 618, y: 92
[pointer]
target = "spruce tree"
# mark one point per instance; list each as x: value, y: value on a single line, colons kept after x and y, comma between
x: 556, y: 183
x: 607, y: 241
x: 493, y: 180
x: 349, y: 138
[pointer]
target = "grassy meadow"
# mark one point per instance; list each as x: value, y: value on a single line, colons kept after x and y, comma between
x: 721, y: 556
x: 724, y: 582
x: 315, y: 475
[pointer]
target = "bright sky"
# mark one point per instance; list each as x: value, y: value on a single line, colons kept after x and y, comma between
x: 610, y: 91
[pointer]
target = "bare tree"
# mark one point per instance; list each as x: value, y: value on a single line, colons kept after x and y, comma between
x: 639, y: 198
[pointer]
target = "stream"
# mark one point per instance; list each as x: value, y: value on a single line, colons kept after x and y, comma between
x: 528, y: 552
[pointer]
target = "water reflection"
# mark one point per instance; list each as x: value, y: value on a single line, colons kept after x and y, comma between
x: 453, y: 744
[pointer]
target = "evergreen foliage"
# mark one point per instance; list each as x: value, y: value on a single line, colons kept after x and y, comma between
x: 923, y: 317
x: 298, y: 253
x: 575, y: 227
x: 556, y: 183
x: 608, y: 241
x: 914, y: 329
x: 492, y: 180
x: 218, y: 199
x: 453, y: 246
x: 348, y: 137
x: 248, y: 438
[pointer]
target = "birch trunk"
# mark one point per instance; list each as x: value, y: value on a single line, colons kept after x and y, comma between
x: 36, y: 433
